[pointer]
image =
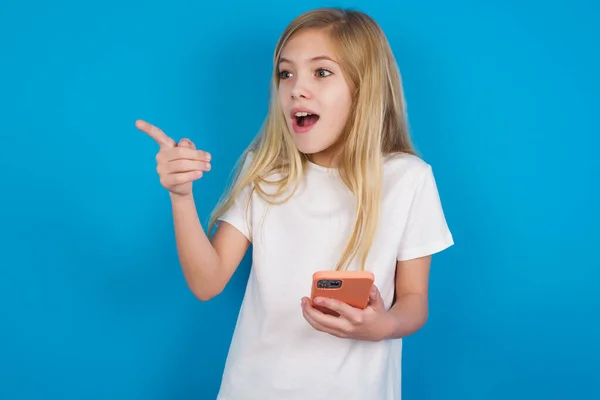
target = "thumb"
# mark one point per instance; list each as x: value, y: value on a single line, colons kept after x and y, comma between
x: 187, y: 143
x: 375, y: 299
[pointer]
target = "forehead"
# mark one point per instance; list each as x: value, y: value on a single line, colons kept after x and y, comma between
x: 307, y: 45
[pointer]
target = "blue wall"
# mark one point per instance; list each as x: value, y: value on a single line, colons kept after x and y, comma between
x: 503, y: 101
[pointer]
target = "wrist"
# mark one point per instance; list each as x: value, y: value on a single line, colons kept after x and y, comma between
x: 181, y: 199
x: 388, y: 326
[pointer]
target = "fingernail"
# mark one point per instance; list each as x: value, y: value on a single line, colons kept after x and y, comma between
x: 208, y: 157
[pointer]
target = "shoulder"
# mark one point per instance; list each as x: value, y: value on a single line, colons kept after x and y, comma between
x: 406, y: 170
x: 245, y: 160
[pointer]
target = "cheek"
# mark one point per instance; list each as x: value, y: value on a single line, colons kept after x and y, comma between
x: 339, y: 104
x: 283, y: 93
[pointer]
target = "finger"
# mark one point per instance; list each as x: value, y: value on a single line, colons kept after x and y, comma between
x: 155, y: 133
x: 320, y: 327
x: 184, y: 165
x: 180, y: 179
x: 326, y: 320
x: 352, y: 314
x: 186, y: 143
x: 375, y: 299
x: 179, y: 153
x: 373, y: 293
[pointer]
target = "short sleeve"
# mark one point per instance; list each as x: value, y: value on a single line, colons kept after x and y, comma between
x: 239, y: 215
x: 426, y: 230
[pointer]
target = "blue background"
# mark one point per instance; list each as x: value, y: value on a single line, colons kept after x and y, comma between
x: 503, y: 102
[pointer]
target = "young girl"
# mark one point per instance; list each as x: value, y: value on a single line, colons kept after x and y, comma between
x: 332, y: 182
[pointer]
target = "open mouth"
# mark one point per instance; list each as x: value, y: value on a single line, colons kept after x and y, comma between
x: 304, y: 120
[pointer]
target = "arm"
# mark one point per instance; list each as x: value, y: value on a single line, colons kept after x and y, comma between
x: 207, y: 267
x: 410, y: 310
x: 425, y: 233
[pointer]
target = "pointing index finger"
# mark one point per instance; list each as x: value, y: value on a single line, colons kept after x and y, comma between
x: 155, y: 133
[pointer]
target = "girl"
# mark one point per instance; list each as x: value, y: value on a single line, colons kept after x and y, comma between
x: 332, y: 182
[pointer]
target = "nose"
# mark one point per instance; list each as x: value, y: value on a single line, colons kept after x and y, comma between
x: 300, y: 90
x: 298, y: 93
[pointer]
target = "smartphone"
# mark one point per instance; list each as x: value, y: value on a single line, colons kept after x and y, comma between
x: 350, y: 287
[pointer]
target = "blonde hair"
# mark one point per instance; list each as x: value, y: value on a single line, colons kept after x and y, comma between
x: 377, y: 126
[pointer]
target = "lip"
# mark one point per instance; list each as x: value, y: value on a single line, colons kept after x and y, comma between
x: 296, y: 110
x: 297, y: 128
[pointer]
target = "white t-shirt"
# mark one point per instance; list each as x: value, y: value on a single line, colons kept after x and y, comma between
x: 275, y: 354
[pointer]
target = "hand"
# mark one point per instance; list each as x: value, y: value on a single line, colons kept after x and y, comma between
x: 178, y: 165
x: 372, y: 324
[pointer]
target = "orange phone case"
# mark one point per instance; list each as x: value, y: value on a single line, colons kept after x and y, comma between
x: 350, y: 287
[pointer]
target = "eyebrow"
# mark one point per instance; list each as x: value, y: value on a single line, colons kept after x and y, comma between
x: 317, y: 58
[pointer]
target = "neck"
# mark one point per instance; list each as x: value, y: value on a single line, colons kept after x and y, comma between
x: 323, y: 161
x: 327, y: 158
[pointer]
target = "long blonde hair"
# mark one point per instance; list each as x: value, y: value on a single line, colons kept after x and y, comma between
x: 377, y: 126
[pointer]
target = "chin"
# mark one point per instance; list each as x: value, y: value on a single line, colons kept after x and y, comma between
x: 311, y: 142
x: 307, y: 146
x: 308, y: 150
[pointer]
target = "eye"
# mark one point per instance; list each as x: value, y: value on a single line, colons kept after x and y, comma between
x: 284, y: 74
x: 323, y: 73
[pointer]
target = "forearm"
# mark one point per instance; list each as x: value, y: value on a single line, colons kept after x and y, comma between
x: 407, y: 315
x: 198, y: 258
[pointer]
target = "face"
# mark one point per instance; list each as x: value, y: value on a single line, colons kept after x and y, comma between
x: 314, y: 94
